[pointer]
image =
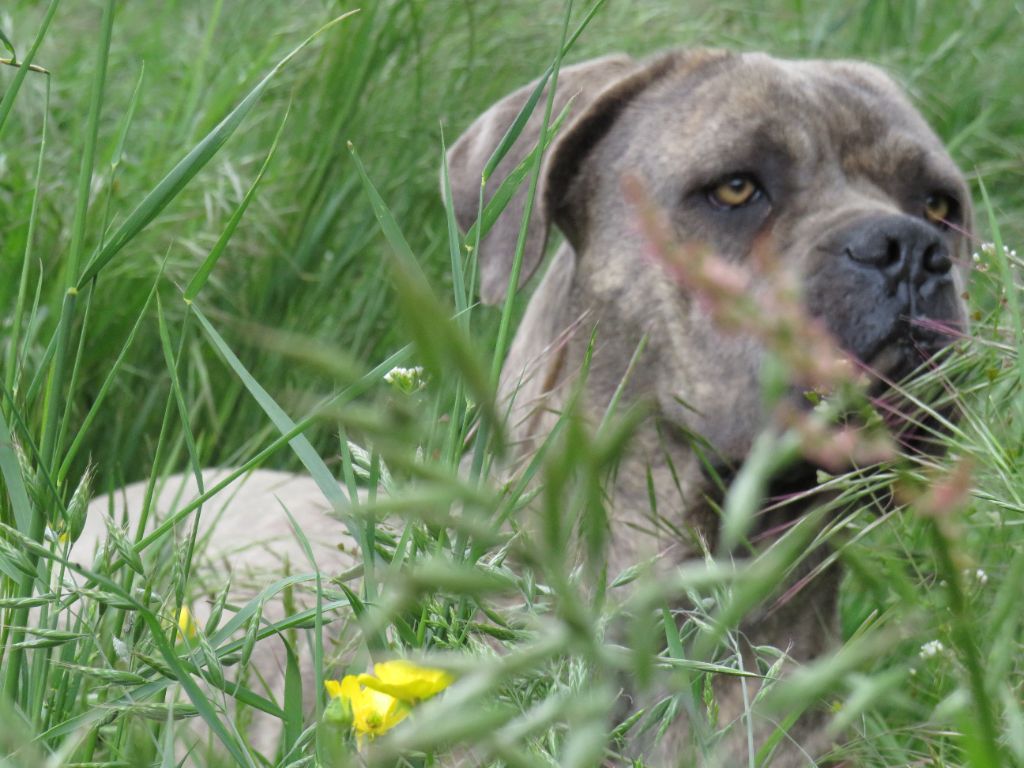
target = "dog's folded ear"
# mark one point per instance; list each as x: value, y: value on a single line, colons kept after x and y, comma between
x: 568, y: 181
x: 467, y: 157
x: 599, y: 89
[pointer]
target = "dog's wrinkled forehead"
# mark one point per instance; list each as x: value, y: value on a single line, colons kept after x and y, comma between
x: 810, y: 119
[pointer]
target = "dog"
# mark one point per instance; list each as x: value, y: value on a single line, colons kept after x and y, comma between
x: 827, y: 161
x: 245, y: 544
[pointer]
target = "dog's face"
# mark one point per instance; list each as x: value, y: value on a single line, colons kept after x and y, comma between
x: 825, y: 164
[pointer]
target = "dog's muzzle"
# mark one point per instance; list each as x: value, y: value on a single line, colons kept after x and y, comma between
x: 891, y: 297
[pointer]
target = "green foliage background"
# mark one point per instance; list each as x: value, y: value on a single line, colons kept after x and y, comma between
x: 308, y: 256
x: 302, y: 292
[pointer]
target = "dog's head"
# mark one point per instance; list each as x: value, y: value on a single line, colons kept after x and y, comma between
x: 825, y: 161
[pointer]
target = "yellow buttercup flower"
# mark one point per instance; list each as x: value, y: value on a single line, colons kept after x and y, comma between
x: 186, y: 623
x: 376, y: 704
x: 373, y: 712
x: 333, y: 688
x: 406, y: 681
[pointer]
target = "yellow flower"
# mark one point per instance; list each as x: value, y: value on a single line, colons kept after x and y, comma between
x: 406, y: 681
x: 186, y: 623
x: 373, y: 712
x: 333, y: 688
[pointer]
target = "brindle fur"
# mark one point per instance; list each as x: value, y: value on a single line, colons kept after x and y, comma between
x: 842, y: 157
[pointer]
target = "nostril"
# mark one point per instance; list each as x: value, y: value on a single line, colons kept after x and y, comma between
x: 898, y: 246
x: 893, y: 252
x: 937, y: 261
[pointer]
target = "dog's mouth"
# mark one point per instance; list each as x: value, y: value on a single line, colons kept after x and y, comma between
x: 910, y: 345
x: 894, y: 366
x: 894, y: 363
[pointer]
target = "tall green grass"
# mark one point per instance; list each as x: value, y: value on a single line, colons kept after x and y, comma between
x: 196, y: 270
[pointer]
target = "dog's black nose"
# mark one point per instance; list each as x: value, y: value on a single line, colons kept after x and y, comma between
x: 904, y: 249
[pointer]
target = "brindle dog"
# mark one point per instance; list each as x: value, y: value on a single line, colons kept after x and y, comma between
x: 859, y: 197
x: 825, y: 160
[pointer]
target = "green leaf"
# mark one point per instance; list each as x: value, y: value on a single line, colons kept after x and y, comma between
x: 292, y: 699
x: 318, y: 619
x: 462, y: 297
x: 7, y: 44
x: 10, y: 468
x: 203, y: 274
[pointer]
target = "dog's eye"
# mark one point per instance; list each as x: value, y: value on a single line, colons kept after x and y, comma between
x: 734, y: 192
x: 939, y: 208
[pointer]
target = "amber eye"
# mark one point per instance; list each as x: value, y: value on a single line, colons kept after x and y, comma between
x: 734, y: 192
x: 938, y: 208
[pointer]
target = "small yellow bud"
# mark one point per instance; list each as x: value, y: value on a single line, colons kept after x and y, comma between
x: 186, y: 623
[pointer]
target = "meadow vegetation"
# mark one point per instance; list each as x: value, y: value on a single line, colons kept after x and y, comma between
x: 220, y: 228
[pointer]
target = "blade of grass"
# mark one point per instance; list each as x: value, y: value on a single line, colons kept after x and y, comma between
x: 195, y: 694
x: 300, y: 444
x: 169, y: 187
x: 318, y: 618
x: 26, y: 521
x: 17, y: 492
x: 519, y: 123
x: 1011, y: 291
x: 56, y: 382
x: 284, y: 439
x: 982, y: 741
x: 13, y: 368
x: 85, y: 172
x: 442, y: 342
x: 292, y: 700
x: 501, y: 343
x: 462, y: 297
x: 500, y: 199
x: 70, y: 267
x: 115, y: 368
x: 25, y: 66
x: 118, y: 153
x: 76, y: 368
x: 172, y: 361
x: 9, y: 46
x: 203, y: 273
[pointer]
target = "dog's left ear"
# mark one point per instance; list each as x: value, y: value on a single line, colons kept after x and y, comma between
x: 570, y: 178
x: 600, y: 89
x: 467, y: 157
